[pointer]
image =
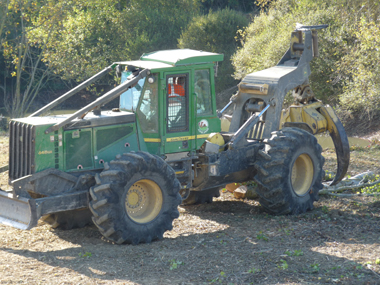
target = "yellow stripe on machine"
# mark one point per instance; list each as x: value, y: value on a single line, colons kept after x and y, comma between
x: 187, y: 138
x: 152, y: 140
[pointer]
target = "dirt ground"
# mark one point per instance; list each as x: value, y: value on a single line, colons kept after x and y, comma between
x: 230, y: 241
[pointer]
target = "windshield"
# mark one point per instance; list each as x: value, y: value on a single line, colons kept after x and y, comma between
x: 130, y: 98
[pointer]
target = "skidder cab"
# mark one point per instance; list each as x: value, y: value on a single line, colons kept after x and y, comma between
x: 129, y: 168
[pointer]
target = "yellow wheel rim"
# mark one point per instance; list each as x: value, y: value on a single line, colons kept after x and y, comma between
x: 143, y: 201
x: 302, y: 174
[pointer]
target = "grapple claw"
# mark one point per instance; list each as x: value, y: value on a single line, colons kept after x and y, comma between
x: 339, y: 137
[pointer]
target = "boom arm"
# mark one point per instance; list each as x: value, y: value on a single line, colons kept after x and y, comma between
x: 273, y: 83
x: 269, y: 87
x: 109, y: 96
x: 72, y: 92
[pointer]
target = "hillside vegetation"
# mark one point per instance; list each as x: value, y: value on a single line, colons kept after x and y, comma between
x: 49, y: 46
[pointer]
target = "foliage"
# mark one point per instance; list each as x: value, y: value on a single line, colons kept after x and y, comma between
x: 262, y: 236
x: 85, y: 255
x: 360, y: 70
x: 80, y: 47
x: 263, y: 3
x: 78, y: 38
x: 346, y: 71
x: 245, y: 6
x: 97, y: 33
x: 374, y: 188
x: 220, y: 278
x: 294, y: 253
x: 216, y: 32
x: 157, y: 25
x: 24, y: 75
x: 315, y: 267
x: 284, y: 265
x: 173, y: 264
x: 254, y: 270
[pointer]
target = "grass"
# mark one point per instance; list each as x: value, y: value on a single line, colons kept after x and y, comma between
x: 361, y: 159
x: 4, y: 140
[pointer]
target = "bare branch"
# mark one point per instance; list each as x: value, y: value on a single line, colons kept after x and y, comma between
x: 340, y: 189
x: 352, y: 195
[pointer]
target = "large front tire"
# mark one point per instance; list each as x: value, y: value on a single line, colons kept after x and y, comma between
x: 289, y: 172
x: 136, y: 198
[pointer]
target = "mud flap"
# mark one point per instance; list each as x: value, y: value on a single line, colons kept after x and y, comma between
x: 339, y: 137
x: 23, y: 213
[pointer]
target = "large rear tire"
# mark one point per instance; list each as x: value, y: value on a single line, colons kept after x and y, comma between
x: 289, y: 172
x: 136, y: 198
x: 201, y: 197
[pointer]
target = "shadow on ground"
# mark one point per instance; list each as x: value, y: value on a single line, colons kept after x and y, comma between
x: 325, y: 245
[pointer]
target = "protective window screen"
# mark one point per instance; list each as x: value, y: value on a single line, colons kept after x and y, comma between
x: 177, y: 90
x: 203, y: 90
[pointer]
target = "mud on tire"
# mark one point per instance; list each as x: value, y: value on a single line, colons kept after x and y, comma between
x: 135, y: 198
x: 289, y: 172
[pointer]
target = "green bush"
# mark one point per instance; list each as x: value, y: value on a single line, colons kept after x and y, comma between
x: 156, y: 24
x: 245, y: 6
x: 216, y: 32
x: 361, y: 70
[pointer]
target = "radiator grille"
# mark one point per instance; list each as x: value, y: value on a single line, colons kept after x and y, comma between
x: 21, y: 150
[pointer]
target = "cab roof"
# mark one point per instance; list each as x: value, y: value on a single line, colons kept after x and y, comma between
x: 174, y: 57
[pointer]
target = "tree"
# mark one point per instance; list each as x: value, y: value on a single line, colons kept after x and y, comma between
x: 87, y: 38
x: 3, y: 17
x: 216, y: 32
x: 25, y: 74
x: 359, y: 68
x: 96, y: 33
x: 157, y: 24
x: 76, y: 39
x: 245, y: 6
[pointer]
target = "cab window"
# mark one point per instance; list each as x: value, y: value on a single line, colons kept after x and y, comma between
x: 130, y: 98
x: 202, y: 88
x: 177, y: 102
x: 147, y: 110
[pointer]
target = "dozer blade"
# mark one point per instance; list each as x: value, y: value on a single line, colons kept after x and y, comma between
x: 18, y: 213
x: 24, y: 213
x: 339, y: 137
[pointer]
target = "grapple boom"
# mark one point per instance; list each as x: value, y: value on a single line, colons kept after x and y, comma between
x: 339, y: 137
x: 259, y: 102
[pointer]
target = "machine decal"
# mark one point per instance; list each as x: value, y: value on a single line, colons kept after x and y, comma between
x: 45, y: 152
x: 203, y: 126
